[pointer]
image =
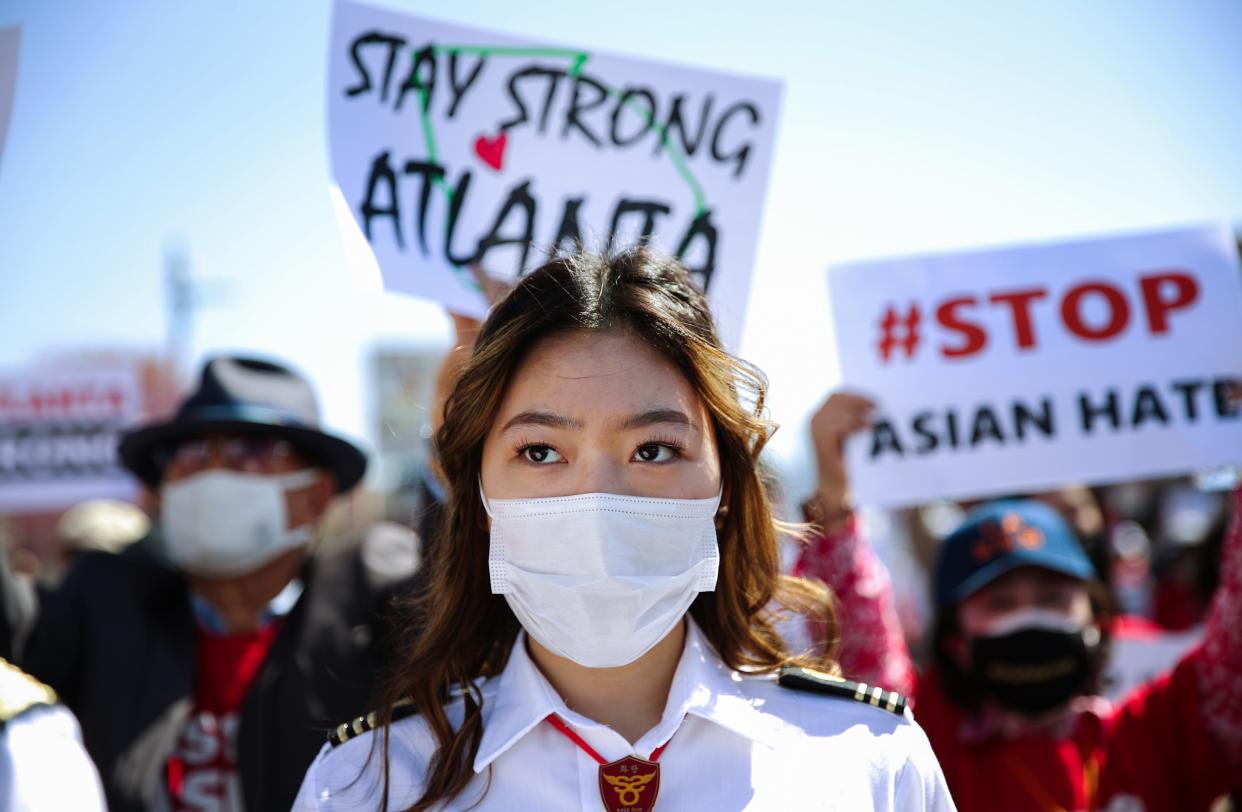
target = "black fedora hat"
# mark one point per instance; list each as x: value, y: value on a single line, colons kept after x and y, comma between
x: 246, y: 396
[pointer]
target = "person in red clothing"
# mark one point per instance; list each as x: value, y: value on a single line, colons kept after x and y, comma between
x: 1008, y: 702
x: 872, y: 649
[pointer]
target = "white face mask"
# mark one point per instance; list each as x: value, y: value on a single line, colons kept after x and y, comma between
x: 1044, y: 620
x: 219, y: 524
x: 600, y: 578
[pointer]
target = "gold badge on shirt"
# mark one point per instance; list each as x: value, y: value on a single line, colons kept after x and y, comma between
x: 629, y: 785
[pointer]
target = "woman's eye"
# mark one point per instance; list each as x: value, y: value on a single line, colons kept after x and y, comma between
x: 655, y: 452
x: 540, y: 454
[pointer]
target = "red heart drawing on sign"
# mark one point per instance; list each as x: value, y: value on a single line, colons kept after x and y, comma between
x: 491, y: 150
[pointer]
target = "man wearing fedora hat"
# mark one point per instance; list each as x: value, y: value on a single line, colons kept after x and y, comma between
x: 206, y: 662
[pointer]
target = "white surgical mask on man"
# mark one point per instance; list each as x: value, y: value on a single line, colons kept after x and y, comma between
x: 219, y: 524
x: 601, y: 578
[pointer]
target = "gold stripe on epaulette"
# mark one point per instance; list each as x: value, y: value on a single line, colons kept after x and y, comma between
x: 19, y: 692
x: 364, y: 724
x: 809, y: 680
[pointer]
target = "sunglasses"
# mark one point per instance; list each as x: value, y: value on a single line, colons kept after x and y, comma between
x: 251, y: 454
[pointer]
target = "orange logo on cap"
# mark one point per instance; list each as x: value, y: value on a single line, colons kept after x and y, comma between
x: 1005, y: 536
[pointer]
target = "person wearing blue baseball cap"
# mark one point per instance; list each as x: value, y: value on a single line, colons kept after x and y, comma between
x: 1009, y: 700
x: 1021, y: 610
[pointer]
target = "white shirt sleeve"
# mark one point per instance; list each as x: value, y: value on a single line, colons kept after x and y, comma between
x: 920, y: 783
x: 350, y: 776
x: 43, y: 766
x: 308, y: 795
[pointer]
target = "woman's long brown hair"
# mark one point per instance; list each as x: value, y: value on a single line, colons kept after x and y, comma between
x: 467, y: 632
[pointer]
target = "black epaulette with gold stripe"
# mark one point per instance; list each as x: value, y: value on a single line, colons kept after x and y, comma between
x: 19, y: 692
x: 807, y: 679
x: 348, y: 730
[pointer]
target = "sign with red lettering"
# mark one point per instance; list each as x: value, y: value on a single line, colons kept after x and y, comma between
x: 58, y: 437
x: 457, y: 147
x: 1022, y: 369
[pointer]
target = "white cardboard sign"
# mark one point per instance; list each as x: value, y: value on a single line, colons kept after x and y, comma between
x: 1022, y: 369
x: 58, y: 438
x: 457, y: 146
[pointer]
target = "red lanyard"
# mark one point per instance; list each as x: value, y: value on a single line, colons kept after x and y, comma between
x: 629, y: 783
x: 560, y: 725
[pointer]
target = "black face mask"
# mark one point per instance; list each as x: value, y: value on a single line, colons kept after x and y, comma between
x: 1034, y: 670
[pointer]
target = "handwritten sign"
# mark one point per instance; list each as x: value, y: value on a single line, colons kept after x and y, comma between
x: 1023, y: 369
x: 58, y: 438
x: 457, y: 147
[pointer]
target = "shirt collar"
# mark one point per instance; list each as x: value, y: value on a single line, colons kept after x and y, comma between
x: 705, y: 687
x: 523, y: 698
x: 702, y: 685
x: 210, y: 620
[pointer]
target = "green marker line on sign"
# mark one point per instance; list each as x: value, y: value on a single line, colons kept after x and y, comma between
x: 579, y: 62
x: 429, y: 138
x: 424, y: 101
x: 674, y: 155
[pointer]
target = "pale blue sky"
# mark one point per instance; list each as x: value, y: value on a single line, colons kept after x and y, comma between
x: 907, y: 127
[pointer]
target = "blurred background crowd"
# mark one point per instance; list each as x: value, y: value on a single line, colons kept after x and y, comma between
x: 170, y: 258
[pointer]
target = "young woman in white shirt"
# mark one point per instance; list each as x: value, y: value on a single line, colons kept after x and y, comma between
x: 601, y: 627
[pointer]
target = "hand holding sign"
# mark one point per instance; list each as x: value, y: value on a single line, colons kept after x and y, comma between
x: 494, y: 288
x: 841, y: 415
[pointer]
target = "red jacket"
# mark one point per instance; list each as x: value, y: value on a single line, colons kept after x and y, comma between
x: 1153, y: 747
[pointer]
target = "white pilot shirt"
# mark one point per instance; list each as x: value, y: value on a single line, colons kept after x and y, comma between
x: 43, y: 766
x: 735, y: 742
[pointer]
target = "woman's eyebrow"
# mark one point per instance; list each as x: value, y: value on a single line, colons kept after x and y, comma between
x: 655, y: 416
x: 532, y: 418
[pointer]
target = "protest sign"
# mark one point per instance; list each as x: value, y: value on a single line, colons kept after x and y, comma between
x: 458, y: 147
x: 10, y: 40
x: 1022, y: 369
x: 58, y: 437
x: 1138, y: 657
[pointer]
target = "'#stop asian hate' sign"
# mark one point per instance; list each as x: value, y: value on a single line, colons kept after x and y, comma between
x: 1023, y: 369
